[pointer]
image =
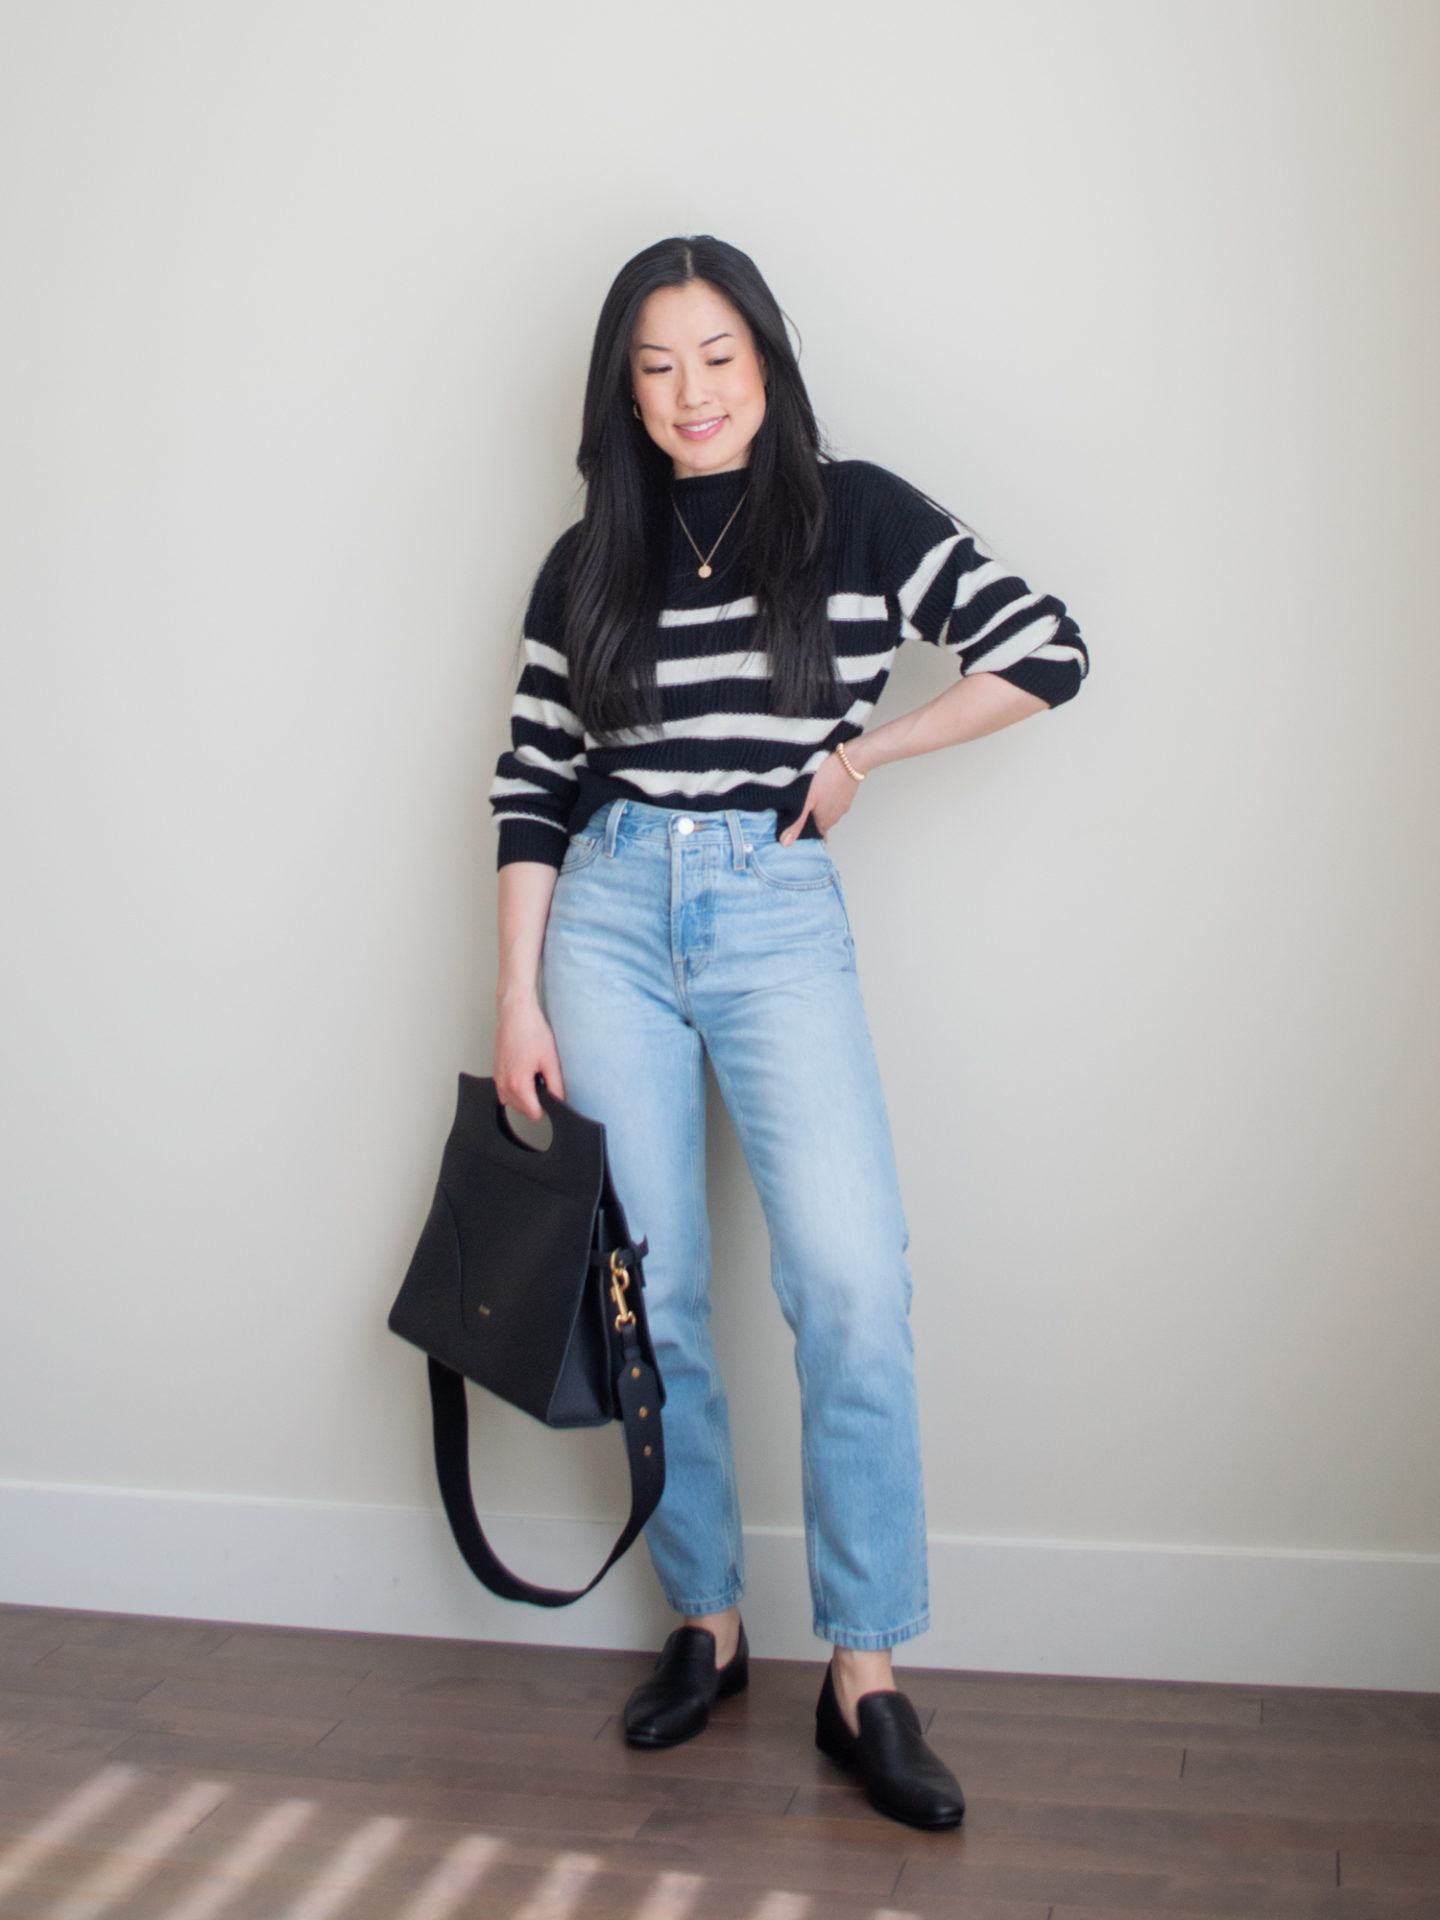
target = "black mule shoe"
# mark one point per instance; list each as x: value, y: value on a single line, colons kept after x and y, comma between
x: 674, y: 1703
x: 902, y: 1777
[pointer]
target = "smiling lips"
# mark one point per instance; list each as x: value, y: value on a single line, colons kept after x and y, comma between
x: 703, y: 429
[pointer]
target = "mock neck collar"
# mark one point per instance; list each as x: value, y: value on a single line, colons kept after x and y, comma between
x: 703, y: 486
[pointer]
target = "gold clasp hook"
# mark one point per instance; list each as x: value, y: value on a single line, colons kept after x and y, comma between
x: 619, y: 1287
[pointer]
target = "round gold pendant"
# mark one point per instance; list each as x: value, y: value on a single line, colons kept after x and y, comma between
x: 706, y: 571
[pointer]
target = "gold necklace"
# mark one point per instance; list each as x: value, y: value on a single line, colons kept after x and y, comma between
x: 705, y: 558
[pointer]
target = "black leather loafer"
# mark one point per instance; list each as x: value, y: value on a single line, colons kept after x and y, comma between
x: 674, y: 1703
x: 902, y: 1777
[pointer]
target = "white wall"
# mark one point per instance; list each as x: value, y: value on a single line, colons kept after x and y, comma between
x: 299, y: 299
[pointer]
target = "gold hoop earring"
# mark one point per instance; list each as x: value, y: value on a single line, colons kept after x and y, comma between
x: 635, y: 410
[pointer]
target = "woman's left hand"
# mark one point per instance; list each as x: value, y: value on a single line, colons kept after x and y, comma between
x: 831, y: 791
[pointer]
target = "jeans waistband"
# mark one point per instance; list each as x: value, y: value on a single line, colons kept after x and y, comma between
x: 621, y: 820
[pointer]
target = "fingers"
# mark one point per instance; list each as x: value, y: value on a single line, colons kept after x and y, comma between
x: 830, y: 794
x: 520, y: 1094
x: 515, y: 1081
x: 792, y: 834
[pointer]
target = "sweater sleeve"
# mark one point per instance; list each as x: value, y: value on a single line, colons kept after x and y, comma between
x: 535, y: 778
x: 954, y: 592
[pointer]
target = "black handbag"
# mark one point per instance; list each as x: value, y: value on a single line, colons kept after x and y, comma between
x: 526, y: 1280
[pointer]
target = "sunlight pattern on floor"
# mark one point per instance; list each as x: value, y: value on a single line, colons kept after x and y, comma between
x: 462, y: 1870
x: 245, y: 1861
x: 348, y: 1871
x: 118, y: 1867
x: 671, y: 1897
x: 121, y: 1872
x: 97, y: 1796
x: 559, y: 1892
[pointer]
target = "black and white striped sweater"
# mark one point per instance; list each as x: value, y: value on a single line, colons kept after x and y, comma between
x: 901, y: 570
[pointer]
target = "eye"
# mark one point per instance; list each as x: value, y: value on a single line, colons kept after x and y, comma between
x: 723, y: 360
x: 655, y: 369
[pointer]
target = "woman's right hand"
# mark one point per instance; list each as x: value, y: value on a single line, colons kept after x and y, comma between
x: 525, y: 1046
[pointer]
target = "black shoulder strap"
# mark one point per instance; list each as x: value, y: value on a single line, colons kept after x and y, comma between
x: 637, y: 1389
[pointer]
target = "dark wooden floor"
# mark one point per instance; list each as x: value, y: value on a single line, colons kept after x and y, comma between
x: 172, y: 1770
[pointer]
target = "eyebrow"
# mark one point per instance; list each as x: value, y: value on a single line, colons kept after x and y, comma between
x: 649, y: 346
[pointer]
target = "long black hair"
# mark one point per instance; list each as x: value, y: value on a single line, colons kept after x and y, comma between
x: 616, y: 577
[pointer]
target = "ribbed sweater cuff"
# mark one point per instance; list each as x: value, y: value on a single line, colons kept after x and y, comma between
x: 529, y: 840
x: 1053, y: 681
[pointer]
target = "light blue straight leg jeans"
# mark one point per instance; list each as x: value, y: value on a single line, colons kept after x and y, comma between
x: 672, y: 936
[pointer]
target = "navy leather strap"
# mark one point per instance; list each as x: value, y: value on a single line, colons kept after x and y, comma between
x: 637, y: 1390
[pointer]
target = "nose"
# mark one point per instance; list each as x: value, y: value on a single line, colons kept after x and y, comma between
x: 692, y: 387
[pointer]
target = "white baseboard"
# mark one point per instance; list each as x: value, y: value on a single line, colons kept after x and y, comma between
x: 1175, y: 1613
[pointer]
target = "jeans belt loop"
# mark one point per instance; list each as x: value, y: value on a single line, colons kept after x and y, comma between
x: 612, y: 825
x: 737, y: 838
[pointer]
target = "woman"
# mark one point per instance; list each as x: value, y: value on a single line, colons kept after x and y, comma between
x: 701, y: 653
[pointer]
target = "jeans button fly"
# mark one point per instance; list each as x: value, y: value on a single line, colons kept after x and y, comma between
x: 685, y: 826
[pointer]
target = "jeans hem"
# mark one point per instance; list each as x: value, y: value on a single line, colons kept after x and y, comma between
x: 697, y: 1609
x: 872, y: 1642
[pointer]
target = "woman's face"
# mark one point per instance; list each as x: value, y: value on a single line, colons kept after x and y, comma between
x: 699, y: 381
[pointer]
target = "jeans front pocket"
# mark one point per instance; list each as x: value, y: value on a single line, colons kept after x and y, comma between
x: 802, y: 867
x: 580, y: 852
